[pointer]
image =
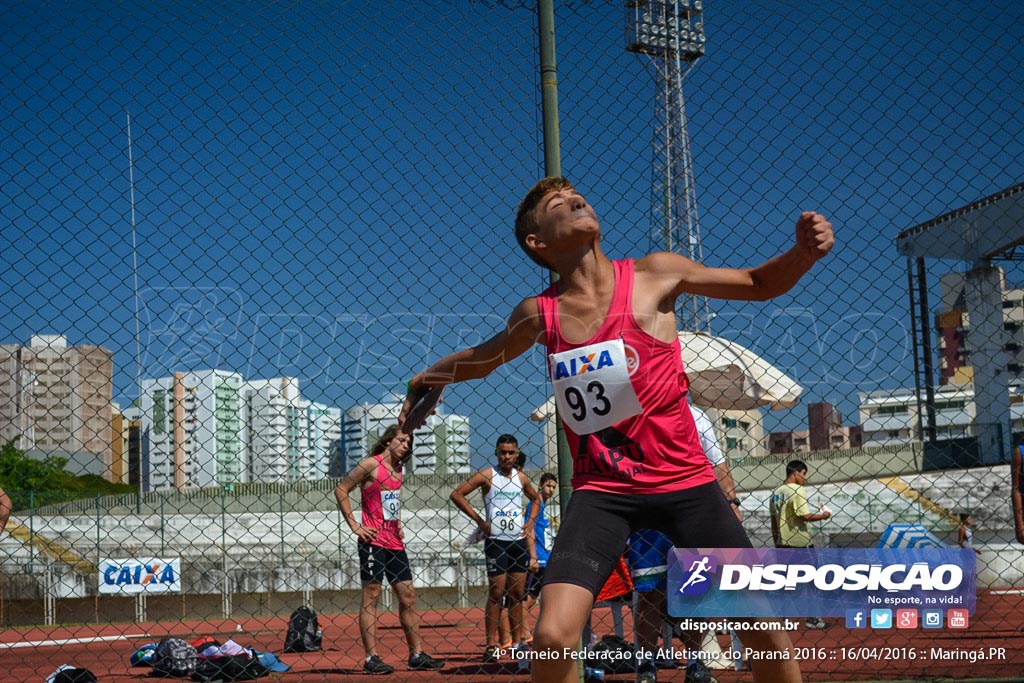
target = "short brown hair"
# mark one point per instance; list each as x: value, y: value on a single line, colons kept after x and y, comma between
x: 526, y: 217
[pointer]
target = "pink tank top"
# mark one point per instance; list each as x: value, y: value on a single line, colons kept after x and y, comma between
x: 657, y: 450
x: 380, y: 506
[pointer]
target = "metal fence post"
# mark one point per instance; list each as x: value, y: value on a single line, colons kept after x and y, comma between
x: 226, y: 581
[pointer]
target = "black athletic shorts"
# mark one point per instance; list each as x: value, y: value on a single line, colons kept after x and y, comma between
x: 593, y: 534
x: 376, y: 564
x: 506, y: 557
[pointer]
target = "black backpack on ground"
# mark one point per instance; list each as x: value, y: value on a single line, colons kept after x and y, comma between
x: 613, y: 654
x: 303, y: 634
x: 229, y: 668
x: 174, y: 657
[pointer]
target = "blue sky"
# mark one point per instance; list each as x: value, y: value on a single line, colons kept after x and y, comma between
x: 326, y: 191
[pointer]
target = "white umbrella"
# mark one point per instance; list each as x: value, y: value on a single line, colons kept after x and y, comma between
x: 723, y: 375
x: 728, y: 376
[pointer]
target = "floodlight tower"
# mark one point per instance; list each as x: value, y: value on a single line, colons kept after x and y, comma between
x: 671, y: 34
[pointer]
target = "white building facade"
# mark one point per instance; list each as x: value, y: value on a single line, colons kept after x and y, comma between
x: 193, y: 429
x: 269, y: 412
x: 892, y: 417
x: 324, y: 439
x: 213, y: 428
x: 440, y: 446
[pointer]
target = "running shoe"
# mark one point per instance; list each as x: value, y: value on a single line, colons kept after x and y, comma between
x: 421, y: 661
x: 490, y: 654
x: 375, y: 665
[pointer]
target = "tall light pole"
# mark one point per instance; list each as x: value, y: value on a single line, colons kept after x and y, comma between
x: 671, y: 34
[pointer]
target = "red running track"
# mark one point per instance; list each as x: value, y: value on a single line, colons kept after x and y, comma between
x: 30, y: 654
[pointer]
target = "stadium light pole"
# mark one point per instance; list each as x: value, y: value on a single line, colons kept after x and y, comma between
x: 670, y: 34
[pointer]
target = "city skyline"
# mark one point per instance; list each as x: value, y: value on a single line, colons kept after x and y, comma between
x: 271, y: 179
x: 887, y: 418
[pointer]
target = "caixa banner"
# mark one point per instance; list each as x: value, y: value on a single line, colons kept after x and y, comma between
x: 140, y: 575
x: 822, y: 582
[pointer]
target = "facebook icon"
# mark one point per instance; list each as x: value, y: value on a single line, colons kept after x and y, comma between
x: 856, y: 618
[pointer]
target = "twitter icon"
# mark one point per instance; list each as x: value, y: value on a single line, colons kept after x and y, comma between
x: 881, y: 618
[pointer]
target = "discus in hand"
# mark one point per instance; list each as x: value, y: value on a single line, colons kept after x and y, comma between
x: 421, y: 409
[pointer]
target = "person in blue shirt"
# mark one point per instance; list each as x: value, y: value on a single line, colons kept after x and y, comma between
x: 543, y: 536
x: 648, y: 564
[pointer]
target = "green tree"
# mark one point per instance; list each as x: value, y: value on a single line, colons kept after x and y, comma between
x: 31, y: 482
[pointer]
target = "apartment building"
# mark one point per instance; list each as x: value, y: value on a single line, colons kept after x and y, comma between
x: 441, y: 445
x: 55, y: 399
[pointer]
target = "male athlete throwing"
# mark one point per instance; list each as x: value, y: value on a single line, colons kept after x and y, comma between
x: 614, y: 358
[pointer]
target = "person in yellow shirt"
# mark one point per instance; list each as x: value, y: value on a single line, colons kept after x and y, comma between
x: 791, y: 513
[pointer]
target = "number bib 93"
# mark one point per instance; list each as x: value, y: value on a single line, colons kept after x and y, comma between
x: 390, y: 504
x: 592, y: 387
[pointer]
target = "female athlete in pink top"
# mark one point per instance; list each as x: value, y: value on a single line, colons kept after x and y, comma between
x: 380, y: 497
x: 381, y: 548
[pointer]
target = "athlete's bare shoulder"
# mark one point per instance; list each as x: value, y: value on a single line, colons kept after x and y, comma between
x: 525, y: 324
x: 663, y: 264
x: 365, y: 471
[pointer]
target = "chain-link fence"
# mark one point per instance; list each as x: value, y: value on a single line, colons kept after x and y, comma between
x: 233, y: 231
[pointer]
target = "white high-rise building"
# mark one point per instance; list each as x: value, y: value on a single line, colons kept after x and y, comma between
x: 212, y: 428
x: 324, y: 439
x: 299, y: 454
x: 192, y: 423
x: 271, y: 406
x: 440, y: 446
x: 360, y: 427
x: 290, y: 438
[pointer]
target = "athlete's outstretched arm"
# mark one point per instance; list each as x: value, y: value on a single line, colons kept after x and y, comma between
x: 676, y: 275
x: 524, y: 328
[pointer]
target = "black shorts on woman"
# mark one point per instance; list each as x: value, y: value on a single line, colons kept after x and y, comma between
x: 377, y: 564
x: 593, y: 534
